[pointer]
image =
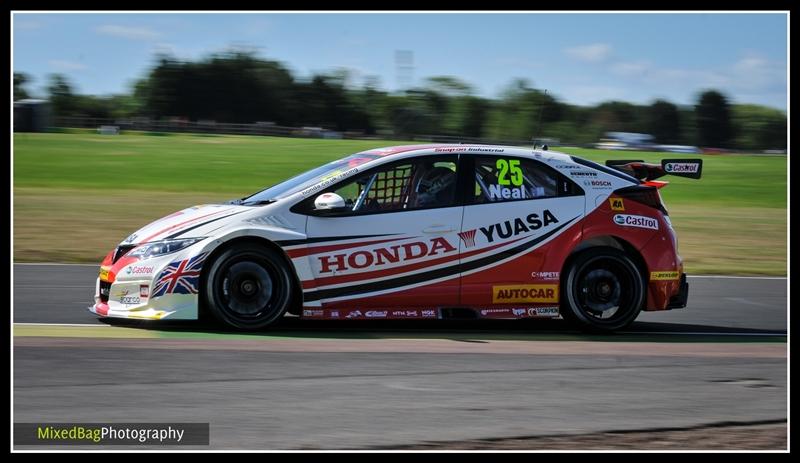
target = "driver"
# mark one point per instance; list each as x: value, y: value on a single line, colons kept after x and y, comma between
x: 435, y: 186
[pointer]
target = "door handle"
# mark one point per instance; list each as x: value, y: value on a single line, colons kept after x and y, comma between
x: 437, y: 229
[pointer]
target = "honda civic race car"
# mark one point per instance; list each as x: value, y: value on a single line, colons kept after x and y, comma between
x: 421, y: 231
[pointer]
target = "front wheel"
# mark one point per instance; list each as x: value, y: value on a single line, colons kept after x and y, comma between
x: 248, y: 287
x: 603, y: 290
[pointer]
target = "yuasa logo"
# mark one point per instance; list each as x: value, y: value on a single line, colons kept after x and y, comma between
x: 637, y: 221
x: 383, y: 256
x: 508, y: 228
x: 681, y: 167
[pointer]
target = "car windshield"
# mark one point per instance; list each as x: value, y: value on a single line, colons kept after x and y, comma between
x: 308, y: 179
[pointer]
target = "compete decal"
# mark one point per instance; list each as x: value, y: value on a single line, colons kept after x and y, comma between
x: 664, y: 275
x: 545, y: 275
x: 505, y: 294
x: 180, y: 277
x: 637, y: 221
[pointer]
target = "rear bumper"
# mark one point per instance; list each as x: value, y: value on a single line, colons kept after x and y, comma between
x: 679, y: 300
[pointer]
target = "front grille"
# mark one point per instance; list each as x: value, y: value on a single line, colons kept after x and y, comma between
x: 105, y: 288
x: 122, y: 250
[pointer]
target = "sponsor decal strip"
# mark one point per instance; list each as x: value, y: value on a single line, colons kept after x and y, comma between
x: 451, y: 271
x: 523, y: 312
x: 359, y: 314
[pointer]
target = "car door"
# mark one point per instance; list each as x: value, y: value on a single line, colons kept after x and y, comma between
x: 395, y: 244
x: 520, y: 221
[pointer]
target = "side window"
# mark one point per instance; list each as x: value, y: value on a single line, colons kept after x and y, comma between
x: 511, y: 179
x: 415, y: 184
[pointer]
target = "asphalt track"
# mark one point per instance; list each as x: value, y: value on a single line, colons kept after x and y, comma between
x: 384, y: 384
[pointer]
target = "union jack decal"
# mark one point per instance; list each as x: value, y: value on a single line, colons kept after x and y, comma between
x: 468, y: 237
x: 181, y: 277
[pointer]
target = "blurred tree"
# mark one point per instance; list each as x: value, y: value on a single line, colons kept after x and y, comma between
x: 759, y: 128
x: 62, y: 100
x: 663, y: 122
x: 713, y: 119
x: 20, y: 80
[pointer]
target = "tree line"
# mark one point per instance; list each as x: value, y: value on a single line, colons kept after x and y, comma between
x: 240, y: 87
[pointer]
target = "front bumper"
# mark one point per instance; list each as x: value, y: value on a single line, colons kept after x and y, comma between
x: 679, y: 300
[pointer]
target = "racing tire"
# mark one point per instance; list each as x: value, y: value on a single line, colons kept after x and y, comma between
x: 602, y: 291
x: 248, y: 287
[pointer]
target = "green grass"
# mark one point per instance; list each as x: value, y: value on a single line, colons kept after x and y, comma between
x: 76, y: 195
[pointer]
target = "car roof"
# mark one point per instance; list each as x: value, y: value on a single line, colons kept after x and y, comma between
x: 444, y: 148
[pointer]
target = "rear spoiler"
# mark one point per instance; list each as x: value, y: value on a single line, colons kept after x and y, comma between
x: 690, y: 168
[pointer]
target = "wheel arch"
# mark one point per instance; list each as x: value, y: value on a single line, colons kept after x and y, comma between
x: 609, y: 241
x: 297, y: 289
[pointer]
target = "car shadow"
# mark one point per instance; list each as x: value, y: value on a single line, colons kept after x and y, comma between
x: 460, y: 330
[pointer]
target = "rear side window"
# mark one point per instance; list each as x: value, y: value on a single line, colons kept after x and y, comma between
x: 501, y: 179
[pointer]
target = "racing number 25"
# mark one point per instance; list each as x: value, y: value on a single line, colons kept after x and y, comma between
x: 504, y: 166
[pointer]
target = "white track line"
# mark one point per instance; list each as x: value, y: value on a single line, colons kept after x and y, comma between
x: 736, y: 277
x: 60, y: 324
x: 622, y: 332
x: 56, y: 263
x: 693, y: 333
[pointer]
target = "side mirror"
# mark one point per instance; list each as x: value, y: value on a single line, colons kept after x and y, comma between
x: 329, y: 202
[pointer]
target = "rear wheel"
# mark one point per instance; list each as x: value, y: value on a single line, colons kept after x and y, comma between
x: 248, y: 287
x: 603, y: 290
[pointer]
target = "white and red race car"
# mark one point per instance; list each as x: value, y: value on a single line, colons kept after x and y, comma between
x: 421, y: 231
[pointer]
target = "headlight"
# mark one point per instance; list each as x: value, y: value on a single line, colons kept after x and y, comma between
x: 161, y: 248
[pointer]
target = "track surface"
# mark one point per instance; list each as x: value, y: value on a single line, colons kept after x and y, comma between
x: 378, y: 384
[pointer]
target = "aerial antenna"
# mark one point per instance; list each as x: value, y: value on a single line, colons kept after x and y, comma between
x: 539, y: 124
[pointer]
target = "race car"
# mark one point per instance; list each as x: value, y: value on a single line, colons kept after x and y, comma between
x: 421, y: 231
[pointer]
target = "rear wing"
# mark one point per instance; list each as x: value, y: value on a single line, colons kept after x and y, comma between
x: 690, y: 168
